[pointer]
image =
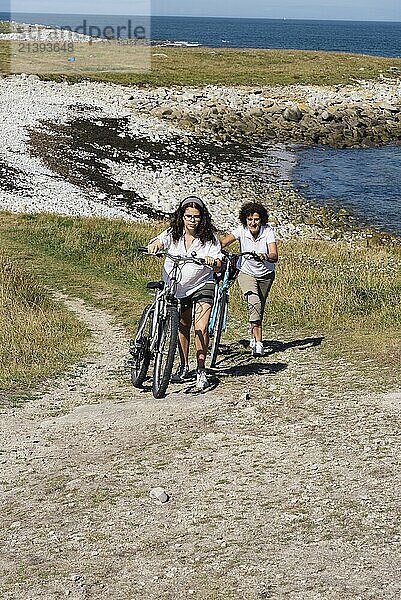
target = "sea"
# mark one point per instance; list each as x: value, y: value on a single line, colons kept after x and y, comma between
x: 366, y: 181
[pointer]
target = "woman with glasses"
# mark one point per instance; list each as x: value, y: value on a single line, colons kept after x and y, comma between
x: 192, y: 233
x: 256, y: 276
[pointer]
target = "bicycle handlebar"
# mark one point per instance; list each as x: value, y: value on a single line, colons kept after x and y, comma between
x: 239, y: 254
x: 177, y: 259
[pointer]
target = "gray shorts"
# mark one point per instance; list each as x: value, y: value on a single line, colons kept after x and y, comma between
x: 255, y: 292
x: 205, y: 294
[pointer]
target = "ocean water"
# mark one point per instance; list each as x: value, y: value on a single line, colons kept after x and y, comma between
x: 375, y: 38
x: 366, y: 181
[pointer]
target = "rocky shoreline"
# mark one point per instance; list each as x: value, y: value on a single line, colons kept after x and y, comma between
x: 365, y: 114
x: 151, y: 158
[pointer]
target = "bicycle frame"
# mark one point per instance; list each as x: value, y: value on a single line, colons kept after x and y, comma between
x: 224, y: 286
x: 164, y: 297
x: 219, y: 315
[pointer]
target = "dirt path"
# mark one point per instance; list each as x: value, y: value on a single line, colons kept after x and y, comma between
x: 290, y: 493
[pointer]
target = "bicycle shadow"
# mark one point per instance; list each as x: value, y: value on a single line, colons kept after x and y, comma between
x: 235, y: 360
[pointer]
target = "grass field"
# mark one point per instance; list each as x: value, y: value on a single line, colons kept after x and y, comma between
x: 349, y: 295
x: 201, y: 66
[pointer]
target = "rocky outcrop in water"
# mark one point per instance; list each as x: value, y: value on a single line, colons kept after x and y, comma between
x: 366, y: 114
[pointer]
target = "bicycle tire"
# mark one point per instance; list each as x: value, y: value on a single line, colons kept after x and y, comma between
x: 167, y: 346
x: 140, y: 352
x: 218, y: 328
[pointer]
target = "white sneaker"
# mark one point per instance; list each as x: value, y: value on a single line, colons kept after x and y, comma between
x: 201, y: 381
x: 258, y: 349
x: 252, y: 343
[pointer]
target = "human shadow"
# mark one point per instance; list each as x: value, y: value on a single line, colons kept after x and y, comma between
x: 233, y: 360
x: 274, y: 346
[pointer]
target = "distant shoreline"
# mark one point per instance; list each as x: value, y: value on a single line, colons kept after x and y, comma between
x: 274, y: 114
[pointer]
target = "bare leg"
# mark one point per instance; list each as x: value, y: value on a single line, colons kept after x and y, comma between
x: 201, y: 324
x: 184, y: 333
x: 256, y: 330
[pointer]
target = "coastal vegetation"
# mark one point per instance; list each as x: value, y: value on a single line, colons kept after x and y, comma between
x: 37, y: 335
x: 227, y: 66
x: 346, y: 292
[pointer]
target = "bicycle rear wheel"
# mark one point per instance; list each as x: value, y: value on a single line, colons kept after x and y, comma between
x: 218, y: 328
x: 167, y: 346
x: 140, y: 349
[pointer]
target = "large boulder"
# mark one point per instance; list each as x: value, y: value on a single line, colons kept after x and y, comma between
x: 293, y: 113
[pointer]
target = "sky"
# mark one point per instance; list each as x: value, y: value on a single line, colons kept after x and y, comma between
x: 358, y: 10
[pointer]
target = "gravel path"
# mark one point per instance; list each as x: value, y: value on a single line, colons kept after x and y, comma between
x: 283, y: 482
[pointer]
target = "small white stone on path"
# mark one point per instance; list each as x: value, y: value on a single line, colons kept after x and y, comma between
x: 159, y: 494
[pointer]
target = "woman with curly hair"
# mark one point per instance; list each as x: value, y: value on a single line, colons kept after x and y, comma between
x: 192, y: 233
x: 256, y: 276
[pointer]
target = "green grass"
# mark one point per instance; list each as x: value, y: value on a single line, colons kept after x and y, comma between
x: 248, y: 67
x: 349, y: 294
x: 38, y: 337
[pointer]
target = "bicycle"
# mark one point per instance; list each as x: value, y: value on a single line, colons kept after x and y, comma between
x: 219, y: 314
x: 157, y: 334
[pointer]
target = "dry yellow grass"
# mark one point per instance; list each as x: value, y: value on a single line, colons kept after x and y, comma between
x: 37, y: 336
x: 327, y: 284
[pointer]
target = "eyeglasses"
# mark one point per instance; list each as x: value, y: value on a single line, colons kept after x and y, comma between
x: 192, y: 217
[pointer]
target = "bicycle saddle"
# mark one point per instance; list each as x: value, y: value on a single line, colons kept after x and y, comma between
x: 155, y: 285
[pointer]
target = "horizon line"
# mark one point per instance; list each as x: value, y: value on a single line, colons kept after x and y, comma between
x: 211, y: 17
x: 280, y: 18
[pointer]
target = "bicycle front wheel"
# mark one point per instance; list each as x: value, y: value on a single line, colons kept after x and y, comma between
x: 167, y: 346
x: 140, y: 349
x: 218, y: 328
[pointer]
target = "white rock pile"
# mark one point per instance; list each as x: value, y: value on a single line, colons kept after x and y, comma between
x: 366, y: 113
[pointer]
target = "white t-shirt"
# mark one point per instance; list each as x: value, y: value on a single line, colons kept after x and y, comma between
x: 190, y: 275
x: 260, y: 245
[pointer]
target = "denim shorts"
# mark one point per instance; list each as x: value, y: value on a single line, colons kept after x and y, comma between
x: 205, y: 294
